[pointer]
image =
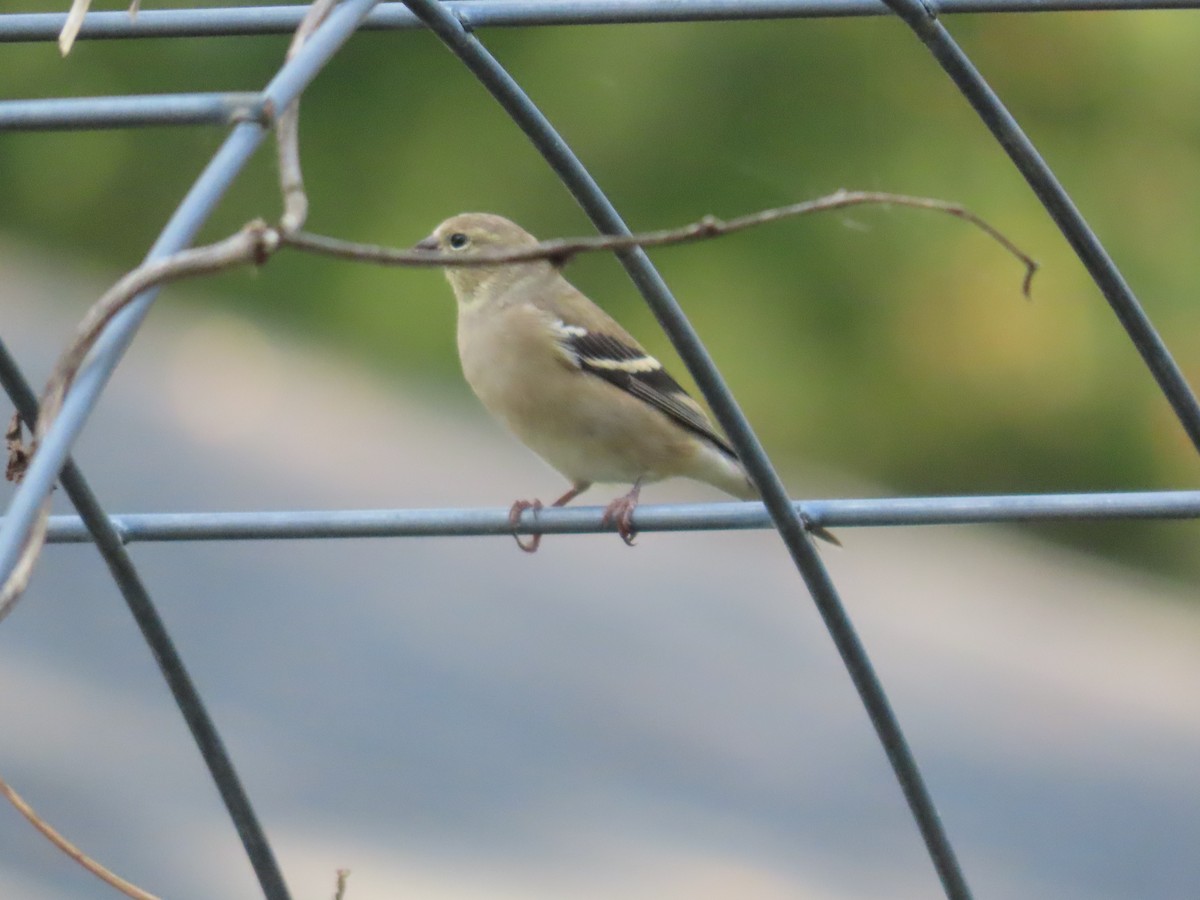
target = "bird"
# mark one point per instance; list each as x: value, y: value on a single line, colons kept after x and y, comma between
x: 571, y: 383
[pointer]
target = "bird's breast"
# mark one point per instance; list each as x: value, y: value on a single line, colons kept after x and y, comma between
x: 580, y: 424
x: 509, y: 358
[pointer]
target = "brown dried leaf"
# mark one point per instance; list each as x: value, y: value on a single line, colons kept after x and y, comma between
x: 18, y: 453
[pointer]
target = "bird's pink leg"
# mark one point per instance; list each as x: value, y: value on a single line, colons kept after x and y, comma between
x: 514, y: 514
x: 620, y: 513
x: 514, y: 519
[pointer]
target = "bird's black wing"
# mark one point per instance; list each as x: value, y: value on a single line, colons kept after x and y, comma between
x: 634, y: 371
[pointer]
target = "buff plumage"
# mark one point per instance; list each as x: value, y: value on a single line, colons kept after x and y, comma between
x: 570, y: 382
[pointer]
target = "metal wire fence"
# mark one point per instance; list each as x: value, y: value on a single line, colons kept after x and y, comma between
x: 250, y: 116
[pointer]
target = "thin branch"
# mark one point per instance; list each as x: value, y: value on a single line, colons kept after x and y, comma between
x: 561, y: 250
x: 79, y: 9
x: 70, y: 29
x: 22, y: 570
x: 109, y: 878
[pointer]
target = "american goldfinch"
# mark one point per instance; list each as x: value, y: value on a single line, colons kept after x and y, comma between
x: 570, y: 382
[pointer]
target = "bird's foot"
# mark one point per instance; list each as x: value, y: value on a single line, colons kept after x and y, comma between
x: 535, y: 539
x: 620, y: 514
x: 514, y: 519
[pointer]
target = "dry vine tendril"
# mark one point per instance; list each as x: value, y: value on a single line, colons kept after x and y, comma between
x: 257, y: 242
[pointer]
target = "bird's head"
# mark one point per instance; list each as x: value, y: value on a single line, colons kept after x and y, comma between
x: 475, y: 234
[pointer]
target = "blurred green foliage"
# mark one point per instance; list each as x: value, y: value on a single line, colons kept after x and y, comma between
x: 888, y: 343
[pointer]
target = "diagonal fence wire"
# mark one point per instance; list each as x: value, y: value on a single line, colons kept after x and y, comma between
x: 195, y: 208
x: 454, y: 22
x: 245, y: 138
x: 924, y: 23
x: 787, y: 521
x: 110, y: 542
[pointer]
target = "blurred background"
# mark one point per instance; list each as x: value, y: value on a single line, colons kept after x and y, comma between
x: 668, y: 721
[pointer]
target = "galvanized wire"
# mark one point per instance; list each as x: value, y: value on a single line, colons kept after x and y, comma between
x: 454, y: 23
x: 70, y: 113
x: 223, y: 22
x: 686, y: 341
x: 840, y: 514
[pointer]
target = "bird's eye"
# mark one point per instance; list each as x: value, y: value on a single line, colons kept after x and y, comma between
x: 458, y: 240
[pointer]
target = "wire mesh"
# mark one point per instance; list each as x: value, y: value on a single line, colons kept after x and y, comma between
x: 250, y: 113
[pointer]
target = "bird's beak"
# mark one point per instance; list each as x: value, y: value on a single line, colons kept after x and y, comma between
x: 429, y: 243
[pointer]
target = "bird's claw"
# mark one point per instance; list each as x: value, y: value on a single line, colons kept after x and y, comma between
x: 620, y: 514
x: 514, y: 519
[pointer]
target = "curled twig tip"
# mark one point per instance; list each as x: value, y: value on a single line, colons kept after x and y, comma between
x: 1031, y: 269
x: 560, y: 251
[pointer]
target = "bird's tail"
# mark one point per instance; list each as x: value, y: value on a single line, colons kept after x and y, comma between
x: 726, y: 474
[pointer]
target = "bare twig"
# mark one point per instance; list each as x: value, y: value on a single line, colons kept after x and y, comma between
x: 109, y: 878
x: 287, y: 131
x: 561, y: 250
x: 253, y: 244
x: 70, y: 29
x: 22, y: 570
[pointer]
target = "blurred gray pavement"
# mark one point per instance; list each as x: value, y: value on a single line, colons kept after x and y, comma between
x: 451, y: 718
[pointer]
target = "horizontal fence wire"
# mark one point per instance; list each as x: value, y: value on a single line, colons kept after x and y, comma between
x: 454, y: 23
x: 360, y: 523
x: 67, y: 113
x: 224, y: 22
